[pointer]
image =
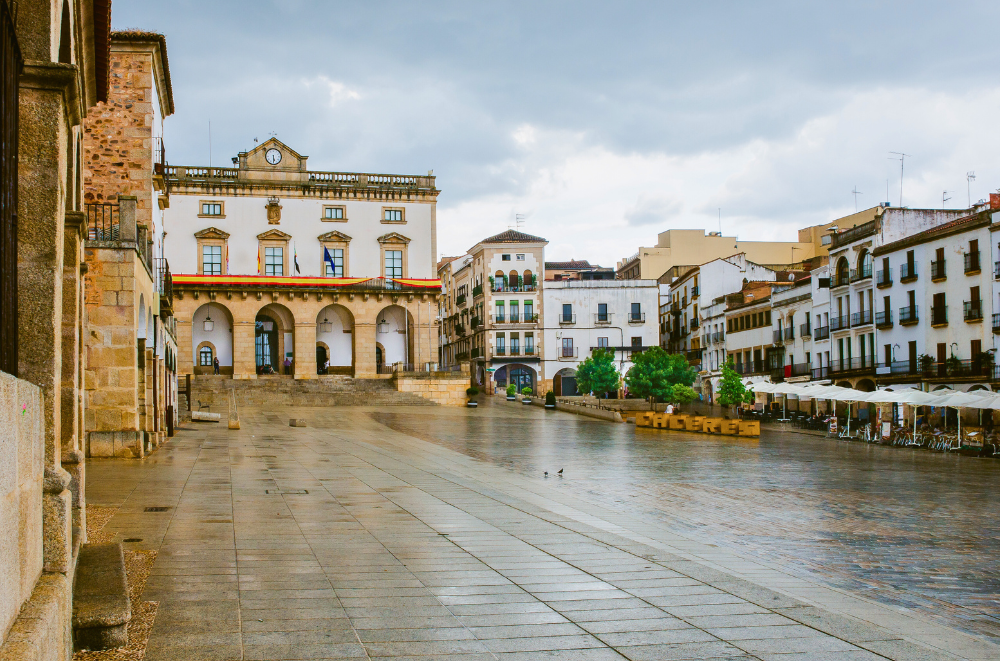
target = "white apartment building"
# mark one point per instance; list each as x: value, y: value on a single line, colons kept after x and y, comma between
x: 852, y: 329
x: 935, y: 300
x: 792, y: 322
x: 819, y: 341
x: 581, y: 315
x: 749, y: 338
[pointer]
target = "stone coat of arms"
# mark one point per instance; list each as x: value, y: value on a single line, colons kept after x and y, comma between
x: 273, y: 211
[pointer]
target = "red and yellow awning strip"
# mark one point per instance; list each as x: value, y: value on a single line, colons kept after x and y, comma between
x: 290, y: 281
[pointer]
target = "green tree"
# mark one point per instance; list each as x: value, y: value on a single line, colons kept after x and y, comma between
x: 682, y: 394
x: 732, y: 391
x: 654, y: 373
x: 598, y: 373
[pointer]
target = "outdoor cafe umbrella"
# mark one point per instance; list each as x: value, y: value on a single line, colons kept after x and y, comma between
x: 785, y: 389
x: 959, y: 401
x: 850, y: 396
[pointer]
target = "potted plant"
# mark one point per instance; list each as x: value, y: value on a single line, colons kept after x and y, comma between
x: 926, y: 363
x: 511, y: 393
x: 526, y: 394
x: 550, y: 400
x: 471, y: 392
x: 953, y: 365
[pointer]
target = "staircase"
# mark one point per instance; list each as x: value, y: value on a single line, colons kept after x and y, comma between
x: 284, y: 391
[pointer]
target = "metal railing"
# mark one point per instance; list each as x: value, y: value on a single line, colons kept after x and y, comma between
x: 805, y: 330
x: 907, y: 271
x: 821, y: 333
x: 718, y: 337
x: 164, y: 281
x: 819, y: 373
x: 972, y: 262
x: 852, y: 364
x: 569, y: 352
x: 861, y: 318
x: 939, y: 315
x: 694, y: 292
x: 603, y: 317
x: 884, y: 278
x: 861, y: 273
x: 883, y: 319
x: 840, y: 279
x: 460, y: 299
x: 996, y: 270
x: 897, y: 367
x: 909, y: 315
x: 789, y: 334
x: 567, y: 318
x: 996, y: 323
x: 851, y: 235
x: 973, y: 310
x: 695, y: 323
x: 103, y: 222
x: 477, y: 291
x: 938, y: 269
x: 776, y: 337
x: 640, y: 318
x: 840, y: 323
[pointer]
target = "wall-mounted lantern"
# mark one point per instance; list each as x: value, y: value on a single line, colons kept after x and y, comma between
x: 209, y: 324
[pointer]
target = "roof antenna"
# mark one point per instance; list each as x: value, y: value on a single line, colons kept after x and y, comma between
x: 518, y: 222
x: 944, y: 197
x: 969, y: 178
x: 902, y: 158
x: 209, y: 143
x: 720, y: 221
x: 855, y: 193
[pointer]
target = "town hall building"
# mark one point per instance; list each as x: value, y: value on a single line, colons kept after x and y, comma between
x: 279, y: 269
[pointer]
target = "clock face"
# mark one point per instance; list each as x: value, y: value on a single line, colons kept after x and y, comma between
x: 273, y: 156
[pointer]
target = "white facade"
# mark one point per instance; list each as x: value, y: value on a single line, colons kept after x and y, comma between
x: 820, y: 338
x: 617, y: 314
x: 791, y: 328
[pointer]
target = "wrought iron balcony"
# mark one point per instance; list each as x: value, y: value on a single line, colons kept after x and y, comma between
x: 460, y: 299
x: 776, y: 337
x: 805, y: 330
x: 883, y: 319
x: 884, y: 278
x: 908, y: 315
x: 822, y: 333
x: 938, y: 271
x: 907, y: 273
x: 973, y: 310
x: 996, y: 323
x: 972, y: 262
x: 939, y: 315
x: 789, y: 334
x: 861, y: 318
x: 602, y: 318
x: 840, y: 323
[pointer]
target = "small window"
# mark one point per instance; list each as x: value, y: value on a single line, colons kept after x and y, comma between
x: 205, y: 356
x: 211, y: 208
x: 334, y: 266
x: 602, y: 342
x: 274, y: 261
x: 826, y: 240
x: 636, y: 312
x: 637, y: 342
x: 333, y: 213
x: 394, y: 263
x: 393, y: 216
x: 520, y: 257
x: 505, y: 258
x: 211, y: 260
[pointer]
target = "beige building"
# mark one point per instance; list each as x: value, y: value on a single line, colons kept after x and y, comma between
x: 496, y: 286
x: 283, y: 271
x: 53, y: 68
x: 131, y: 384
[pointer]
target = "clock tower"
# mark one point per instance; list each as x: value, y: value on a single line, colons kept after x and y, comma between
x: 272, y: 160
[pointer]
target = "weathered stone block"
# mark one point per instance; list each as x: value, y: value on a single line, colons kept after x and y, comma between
x: 57, y: 523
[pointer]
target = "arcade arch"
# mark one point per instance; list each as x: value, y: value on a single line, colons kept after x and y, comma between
x: 212, y: 326
x: 335, y: 339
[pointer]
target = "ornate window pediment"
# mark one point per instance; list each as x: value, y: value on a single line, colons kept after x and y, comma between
x: 334, y: 236
x: 273, y: 235
x: 393, y: 237
x: 212, y: 233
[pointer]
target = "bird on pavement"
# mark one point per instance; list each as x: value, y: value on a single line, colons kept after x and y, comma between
x: 560, y: 471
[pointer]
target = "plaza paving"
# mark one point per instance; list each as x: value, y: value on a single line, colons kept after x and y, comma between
x: 433, y: 533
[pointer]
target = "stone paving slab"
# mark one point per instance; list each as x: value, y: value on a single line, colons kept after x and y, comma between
x: 346, y: 539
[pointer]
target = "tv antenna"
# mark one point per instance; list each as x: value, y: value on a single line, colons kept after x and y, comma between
x: 720, y: 221
x: 855, y: 193
x: 518, y: 221
x: 901, y: 159
x: 969, y: 178
x: 944, y: 197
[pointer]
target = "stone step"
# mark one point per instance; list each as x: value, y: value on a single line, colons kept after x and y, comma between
x: 101, y: 606
x: 213, y: 391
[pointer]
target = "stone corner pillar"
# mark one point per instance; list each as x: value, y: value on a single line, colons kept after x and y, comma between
x: 126, y: 217
x: 304, y: 358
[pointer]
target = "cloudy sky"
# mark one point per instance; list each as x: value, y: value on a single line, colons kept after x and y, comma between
x: 604, y: 123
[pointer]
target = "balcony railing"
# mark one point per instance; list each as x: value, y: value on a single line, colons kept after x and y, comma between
x: 883, y: 319
x: 938, y: 271
x: 694, y: 293
x: 477, y: 352
x: 602, y: 318
x: 776, y: 337
x: 695, y: 324
x: 852, y: 235
x: 840, y: 323
x: 718, y: 337
x: 973, y: 310
x: 822, y: 333
x: 103, y: 222
x: 972, y: 262
x: 568, y: 353
x: 996, y: 270
x: 896, y: 367
x: 502, y: 287
x: 477, y: 291
x: 852, y: 364
x: 789, y: 334
x: 996, y: 323
x: 459, y: 329
x: 164, y: 283
x: 884, y: 278
x: 753, y: 367
x: 476, y: 322
x: 805, y: 330
x: 861, y: 273
x: 819, y: 373
x: 640, y: 318
x: 840, y: 279
x: 907, y: 272
x: 939, y: 315
x: 861, y: 318
x: 528, y: 351
x: 567, y: 318
x: 460, y: 299
x: 909, y: 315
x: 498, y: 318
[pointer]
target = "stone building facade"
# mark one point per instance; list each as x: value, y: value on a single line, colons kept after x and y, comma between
x: 280, y: 270
x: 130, y: 380
x: 63, y: 49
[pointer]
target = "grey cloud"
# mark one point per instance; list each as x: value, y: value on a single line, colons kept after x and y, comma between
x: 653, y: 211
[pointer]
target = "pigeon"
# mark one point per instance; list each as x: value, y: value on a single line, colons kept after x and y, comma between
x: 546, y: 473
x: 560, y: 471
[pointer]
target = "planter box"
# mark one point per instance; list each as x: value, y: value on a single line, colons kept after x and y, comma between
x: 511, y: 399
x: 472, y: 405
x: 526, y: 401
x: 550, y: 406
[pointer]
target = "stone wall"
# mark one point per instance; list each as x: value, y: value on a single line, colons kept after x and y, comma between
x: 439, y: 387
x: 118, y: 136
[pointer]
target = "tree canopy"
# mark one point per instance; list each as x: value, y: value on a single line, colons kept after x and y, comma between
x: 598, y: 374
x: 654, y: 373
x: 682, y: 394
x: 732, y: 391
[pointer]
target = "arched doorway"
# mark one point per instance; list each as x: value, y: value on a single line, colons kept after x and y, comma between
x: 521, y: 376
x: 379, y: 358
x: 212, y: 327
x: 394, y: 335
x: 564, y: 383
x: 322, y: 356
x: 274, y: 343
x: 335, y: 331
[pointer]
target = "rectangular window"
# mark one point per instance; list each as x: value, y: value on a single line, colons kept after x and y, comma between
x: 602, y: 342
x: 504, y: 258
x: 394, y: 263
x: 567, y: 347
x: 567, y: 312
x: 337, y: 269
x: 333, y: 213
x: 636, y: 312
x: 393, y: 216
x: 211, y: 260
x: 637, y: 342
x: 602, y: 311
x: 520, y: 257
x: 501, y: 349
x: 513, y: 311
x: 274, y: 261
x: 529, y: 344
x: 529, y: 311
x: 515, y: 345
x: 211, y: 208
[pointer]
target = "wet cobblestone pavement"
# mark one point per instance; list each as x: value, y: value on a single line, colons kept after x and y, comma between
x: 906, y: 527
x: 432, y: 533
